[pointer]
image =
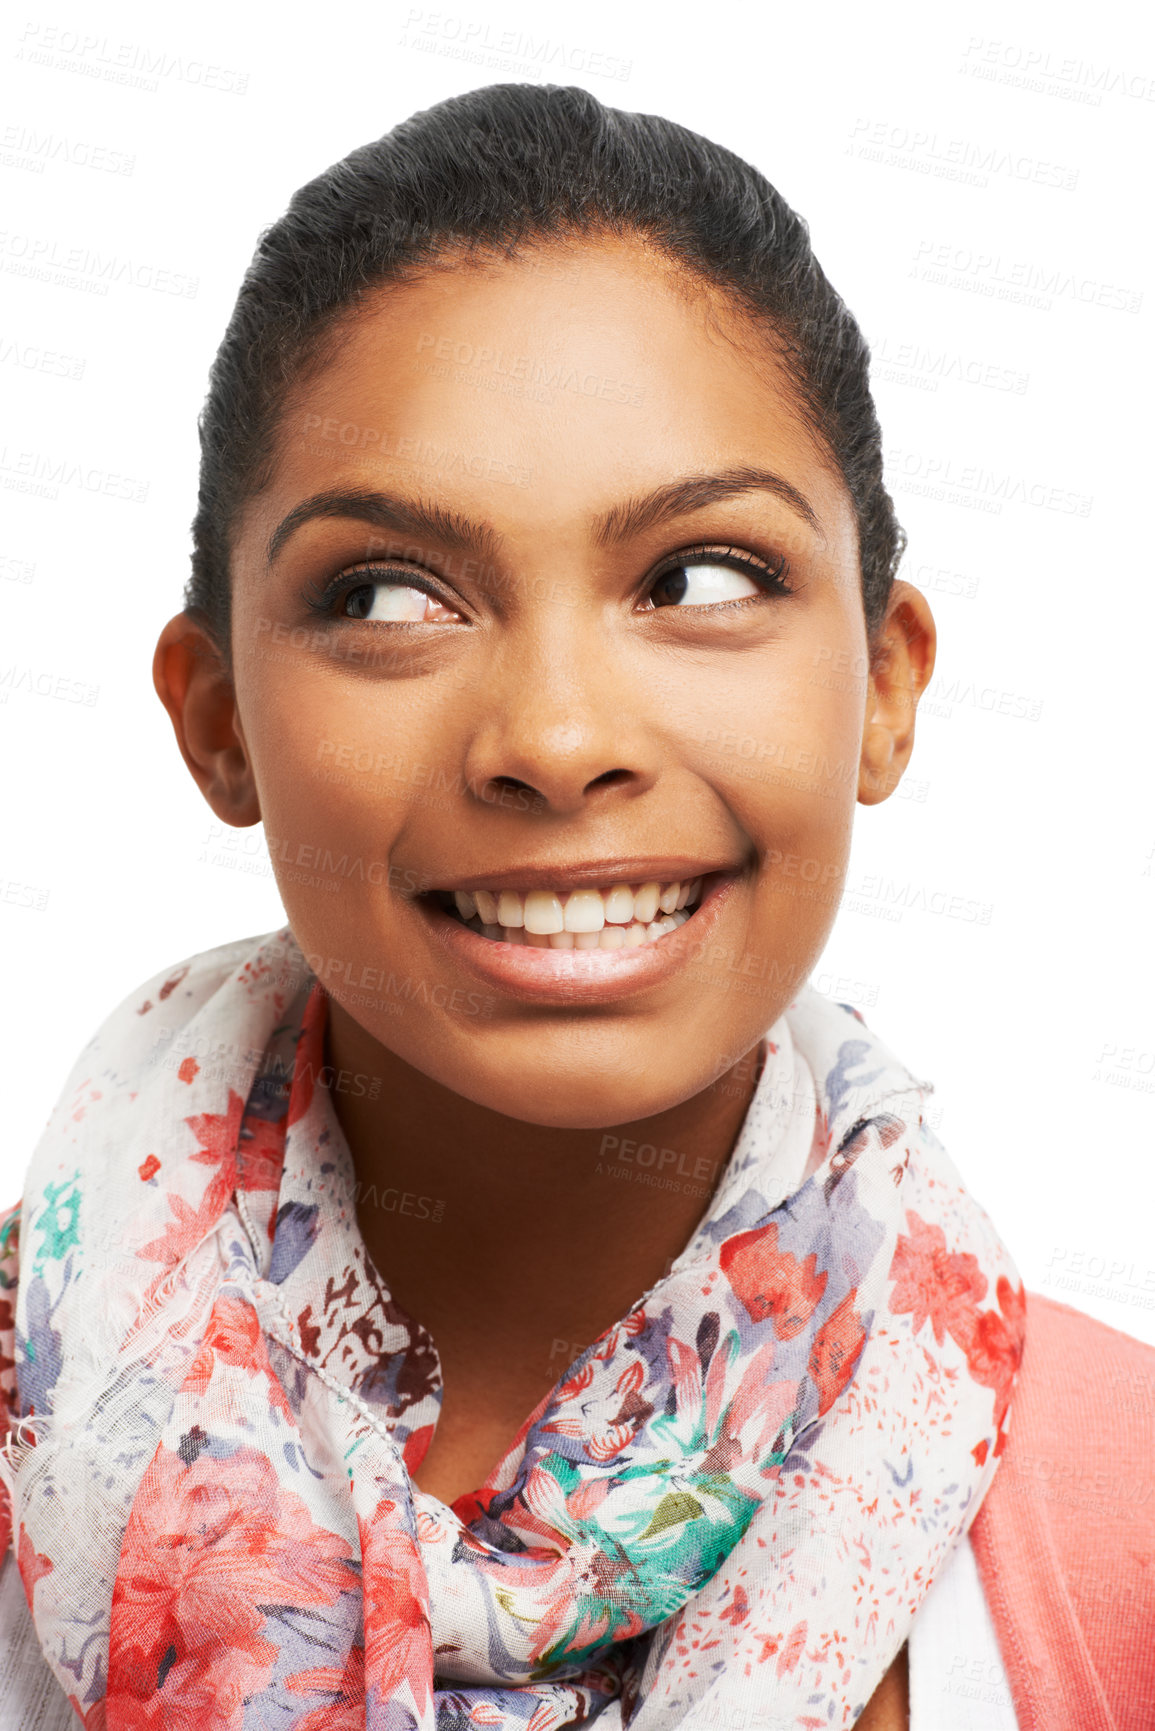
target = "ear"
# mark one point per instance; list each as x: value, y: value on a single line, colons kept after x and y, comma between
x: 196, y: 688
x: 901, y: 664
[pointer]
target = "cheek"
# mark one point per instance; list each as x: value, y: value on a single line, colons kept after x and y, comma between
x: 336, y: 790
x: 784, y: 753
x: 333, y: 750
x: 786, y: 764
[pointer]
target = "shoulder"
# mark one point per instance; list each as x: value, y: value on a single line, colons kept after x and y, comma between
x: 1072, y: 1361
x: 1065, y: 1535
x: 1060, y: 1327
x: 147, y: 1018
x: 168, y: 1021
x: 138, y: 1032
x: 1080, y: 1380
x: 175, y: 993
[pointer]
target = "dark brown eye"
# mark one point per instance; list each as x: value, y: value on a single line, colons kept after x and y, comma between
x: 359, y: 602
x: 702, y: 582
x: 383, y: 597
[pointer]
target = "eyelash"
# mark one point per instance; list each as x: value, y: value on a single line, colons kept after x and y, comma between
x: 771, y: 576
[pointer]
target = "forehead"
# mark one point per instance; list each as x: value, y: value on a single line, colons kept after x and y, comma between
x: 547, y: 386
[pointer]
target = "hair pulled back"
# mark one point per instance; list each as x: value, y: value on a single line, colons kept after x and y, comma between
x: 484, y: 172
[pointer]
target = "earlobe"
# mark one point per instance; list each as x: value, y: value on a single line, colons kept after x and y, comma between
x: 196, y: 688
x: 902, y: 662
x: 877, y: 777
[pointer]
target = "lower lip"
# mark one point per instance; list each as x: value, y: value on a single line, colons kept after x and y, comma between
x: 586, y: 976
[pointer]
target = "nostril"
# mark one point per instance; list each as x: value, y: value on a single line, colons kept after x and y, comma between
x: 611, y: 778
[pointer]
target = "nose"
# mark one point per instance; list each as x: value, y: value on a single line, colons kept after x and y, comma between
x: 557, y: 724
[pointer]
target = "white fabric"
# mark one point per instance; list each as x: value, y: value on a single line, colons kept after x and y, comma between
x: 957, y: 1679
x: 151, y: 1198
x: 30, y: 1697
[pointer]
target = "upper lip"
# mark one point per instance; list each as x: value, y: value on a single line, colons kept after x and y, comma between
x: 584, y: 873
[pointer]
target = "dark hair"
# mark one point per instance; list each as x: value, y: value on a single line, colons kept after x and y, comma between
x: 484, y: 172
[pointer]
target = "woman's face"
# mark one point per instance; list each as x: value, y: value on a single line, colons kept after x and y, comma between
x: 562, y: 597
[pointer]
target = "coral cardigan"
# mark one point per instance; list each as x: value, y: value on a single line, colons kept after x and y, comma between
x: 1065, y: 1539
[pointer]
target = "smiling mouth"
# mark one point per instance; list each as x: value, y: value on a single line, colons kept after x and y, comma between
x: 620, y: 916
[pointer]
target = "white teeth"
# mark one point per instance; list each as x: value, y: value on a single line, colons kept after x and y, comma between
x: 587, y: 919
x: 646, y: 902
x: 620, y: 905
x: 486, y: 907
x: 585, y: 912
x: 510, y: 911
x: 609, y: 938
x: 543, y: 913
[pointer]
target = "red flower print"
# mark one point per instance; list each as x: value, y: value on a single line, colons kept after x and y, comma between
x: 217, y: 1134
x: 1013, y: 1304
x: 207, y: 1545
x: 947, y: 1288
x: 92, y: 1718
x: 347, y: 1711
x: 262, y: 1155
x: 234, y: 1336
x: 795, y: 1642
x: 171, y: 984
x: 417, y: 1447
x: 738, y: 1609
x: 995, y: 1350
x: 32, y: 1565
x: 398, y: 1637
x: 932, y: 1282
x: 772, y: 1282
x: 836, y: 1350
x: 548, y: 1715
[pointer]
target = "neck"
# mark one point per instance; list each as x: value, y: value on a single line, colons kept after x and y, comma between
x: 444, y: 1184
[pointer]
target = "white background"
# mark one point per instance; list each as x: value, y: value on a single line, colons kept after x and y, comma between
x: 977, y: 181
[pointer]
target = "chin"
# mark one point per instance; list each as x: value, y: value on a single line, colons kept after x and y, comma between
x: 569, y: 1099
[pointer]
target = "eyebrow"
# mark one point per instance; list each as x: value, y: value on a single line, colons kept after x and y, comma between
x: 449, y: 528
x: 691, y: 493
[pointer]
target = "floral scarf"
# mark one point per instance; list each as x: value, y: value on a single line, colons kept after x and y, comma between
x: 726, y: 1512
